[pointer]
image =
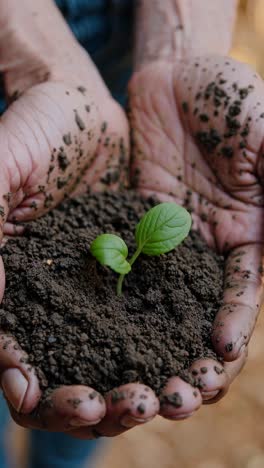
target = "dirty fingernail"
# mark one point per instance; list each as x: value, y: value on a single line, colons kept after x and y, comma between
x: 242, y: 350
x: 209, y: 395
x: 14, y: 386
x: 129, y: 422
x: 182, y: 416
x: 78, y: 422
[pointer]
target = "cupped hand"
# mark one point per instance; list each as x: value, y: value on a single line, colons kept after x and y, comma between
x: 197, y: 129
x: 58, y: 138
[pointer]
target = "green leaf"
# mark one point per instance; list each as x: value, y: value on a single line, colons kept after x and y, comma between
x: 162, y: 228
x: 112, y: 251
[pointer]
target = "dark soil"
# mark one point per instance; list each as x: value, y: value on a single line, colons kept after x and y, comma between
x: 62, y: 306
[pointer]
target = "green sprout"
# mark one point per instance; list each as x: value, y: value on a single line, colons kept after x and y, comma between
x: 160, y: 230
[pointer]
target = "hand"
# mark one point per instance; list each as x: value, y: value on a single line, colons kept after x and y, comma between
x: 63, y: 134
x: 42, y: 120
x: 197, y: 129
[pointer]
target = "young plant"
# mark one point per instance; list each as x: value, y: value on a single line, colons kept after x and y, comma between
x: 160, y: 230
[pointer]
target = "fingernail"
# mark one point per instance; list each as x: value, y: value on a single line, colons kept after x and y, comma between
x: 14, y: 386
x: 182, y: 416
x: 242, y: 350
x: 129, y: 422
x: 209, y: 395
x: 78, y: 422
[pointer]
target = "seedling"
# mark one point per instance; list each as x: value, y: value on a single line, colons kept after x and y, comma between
x: 160, y: 230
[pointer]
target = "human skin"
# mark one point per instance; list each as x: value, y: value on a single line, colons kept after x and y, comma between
x: 182, y: 96
x: 37, y: 122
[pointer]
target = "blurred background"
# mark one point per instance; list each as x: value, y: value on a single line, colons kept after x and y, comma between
x: 229, y: 434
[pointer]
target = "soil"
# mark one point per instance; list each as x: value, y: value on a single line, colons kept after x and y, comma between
x: 62, y: 307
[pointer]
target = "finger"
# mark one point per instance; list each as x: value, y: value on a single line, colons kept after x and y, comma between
x: 243, y: 292
x: 211, y: 378
x: 179, y: 399
x: 11, y: 229
x: 67, y: 408
x: 232, y: 369
x: 128, y: 406
x: 18, y: 378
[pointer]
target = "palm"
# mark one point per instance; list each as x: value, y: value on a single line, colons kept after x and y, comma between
x: 197, y: 130
x: 189, y: 146
x: 54, y: 138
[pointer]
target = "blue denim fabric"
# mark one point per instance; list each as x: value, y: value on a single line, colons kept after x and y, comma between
x: 49, y: 449
x: 104, y: 29
x: 57, y: 450
x: 4, y: 419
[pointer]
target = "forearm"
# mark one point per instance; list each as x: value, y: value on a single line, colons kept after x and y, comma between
x: 36, y: 44
x: 180, y: 28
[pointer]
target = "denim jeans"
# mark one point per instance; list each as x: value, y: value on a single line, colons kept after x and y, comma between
x: 105, y: 29
x: 49, y: 449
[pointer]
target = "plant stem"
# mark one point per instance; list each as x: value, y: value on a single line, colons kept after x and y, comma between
x: 119, y: 285
x: 121, y: 277
x: 135, y: 256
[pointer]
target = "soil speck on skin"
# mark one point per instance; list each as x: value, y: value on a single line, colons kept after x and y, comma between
x: 175, y: 400
x: 104, y: 127
x: 204, y: 117
x: 185, y: 107
x: 48, y: 200
x: 65, y: 313
x: 82, y: 90
x: 218, y: 370
x: 141, y: 408
x: 79, y: 121
x: 62, y: 160
x: 7, y: 197
x: 33, y: 205
x: 67, y: 139
x: 229, y: 347
x: 74, y: 402
x: 117, y: 396
x: 227, y: 151
x: 93, y: 395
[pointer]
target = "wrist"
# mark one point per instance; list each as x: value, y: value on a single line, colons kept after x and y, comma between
x: 175, y: 29
x: 36, y: 45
